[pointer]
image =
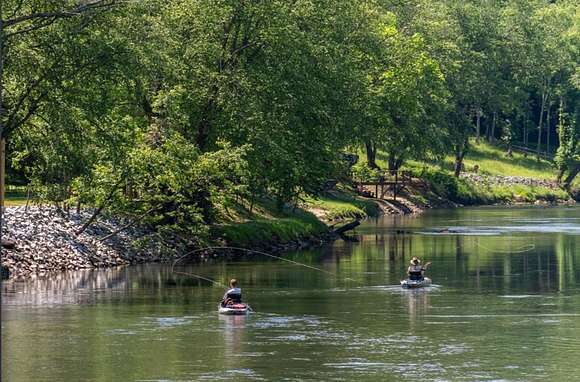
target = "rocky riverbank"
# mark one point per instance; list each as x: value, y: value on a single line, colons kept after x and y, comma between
x: 510, y: 180
x: 42, y: 240
x: 39, y: 241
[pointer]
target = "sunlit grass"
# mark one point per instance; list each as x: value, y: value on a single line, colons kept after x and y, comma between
x: 343, y: 206
x: 14, y: 199
x: 276, y: 230
x: 493, y: 160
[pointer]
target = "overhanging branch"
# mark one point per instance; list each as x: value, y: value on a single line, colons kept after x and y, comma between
x: 77, y: 11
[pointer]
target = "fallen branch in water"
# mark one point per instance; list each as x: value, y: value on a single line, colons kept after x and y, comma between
x: 347, y: 227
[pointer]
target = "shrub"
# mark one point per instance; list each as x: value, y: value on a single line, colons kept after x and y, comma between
x: 361, y: 171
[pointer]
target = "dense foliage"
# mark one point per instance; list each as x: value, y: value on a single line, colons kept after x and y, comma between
x: 175, y: 109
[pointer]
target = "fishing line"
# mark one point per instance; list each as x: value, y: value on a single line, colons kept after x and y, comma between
x: 528, y: 248
x: 259, y: 252
x: 199, y: 277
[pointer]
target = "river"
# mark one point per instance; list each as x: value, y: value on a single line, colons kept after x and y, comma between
x: 505, y: 305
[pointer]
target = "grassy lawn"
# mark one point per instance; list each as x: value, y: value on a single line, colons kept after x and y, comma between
x: 276, y: 230
x: 492, y: 160
x: 343, y: 206
x: 14, y: 199
x: 266, y: 224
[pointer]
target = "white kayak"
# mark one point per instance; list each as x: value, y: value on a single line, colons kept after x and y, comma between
x: 235, y: 309
x: 409, y: 284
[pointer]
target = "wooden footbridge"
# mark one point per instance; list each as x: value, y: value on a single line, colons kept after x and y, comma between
x: 389, y: 183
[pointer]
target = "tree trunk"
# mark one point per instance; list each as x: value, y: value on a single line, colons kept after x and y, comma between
x: 543, y: 107
x: 571, y: 176
x: 128, y: 225
x: 203, y: 127
x: 526, y: 129
x: 371, y: 154
x: 98, y: 210
x: 548, y: 130
x: 460, y: 152
x: 561, y: 173
x: 493, y: 123
x: 487, y: 132
x: 477, y: 125
x: 2, y: 171
x: 346, y: 227
x: 394, y: 163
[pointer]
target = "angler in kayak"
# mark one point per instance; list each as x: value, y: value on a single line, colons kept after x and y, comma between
x: 416, y: 271
x: 231, y: 303
x: 233, y: 295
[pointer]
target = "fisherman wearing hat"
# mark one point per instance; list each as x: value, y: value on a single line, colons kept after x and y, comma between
x: 416, y: 270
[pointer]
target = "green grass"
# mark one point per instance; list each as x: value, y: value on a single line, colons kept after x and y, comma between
x: 14, y: 199
x: 492, y: 160
x: 268, y: 225
x: 465, y: 192
x: 343, y: 206
x: 274, y: 230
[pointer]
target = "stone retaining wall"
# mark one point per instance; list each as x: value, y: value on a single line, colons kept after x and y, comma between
x: 510, y: 180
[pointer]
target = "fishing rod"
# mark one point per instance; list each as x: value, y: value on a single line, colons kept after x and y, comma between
x: 251, y: 251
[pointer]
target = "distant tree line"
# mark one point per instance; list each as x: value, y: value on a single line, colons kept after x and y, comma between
x: 180, y: 108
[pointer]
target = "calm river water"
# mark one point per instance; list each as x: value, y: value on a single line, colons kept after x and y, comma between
x: 505, y: 306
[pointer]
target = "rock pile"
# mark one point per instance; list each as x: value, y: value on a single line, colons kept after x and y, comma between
x: 45, y: 240
x: 510, y: 180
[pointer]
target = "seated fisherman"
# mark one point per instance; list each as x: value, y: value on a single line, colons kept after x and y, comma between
x: 416, y: 270
x: 233, y: 295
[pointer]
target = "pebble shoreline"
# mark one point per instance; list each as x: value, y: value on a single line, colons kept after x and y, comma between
x: 45, y: 241
x: 510, y: 180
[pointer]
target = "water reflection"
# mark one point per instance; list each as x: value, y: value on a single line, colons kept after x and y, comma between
x: 505, y: 307
x: 418, y: 305
x: 234, y: 328
x: 65, y: 288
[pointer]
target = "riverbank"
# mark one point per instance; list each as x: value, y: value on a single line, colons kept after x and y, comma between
x: 43, y: 240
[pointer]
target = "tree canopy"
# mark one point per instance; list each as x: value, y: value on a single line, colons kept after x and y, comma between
x: 179, y: 106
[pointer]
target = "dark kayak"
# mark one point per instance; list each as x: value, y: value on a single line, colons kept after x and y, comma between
x: 234, y: 309
x: 410, y: 284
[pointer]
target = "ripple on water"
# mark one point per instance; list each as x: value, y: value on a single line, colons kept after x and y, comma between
x: 163, y: 323
x: 360, y: 364
x: 268, y: 321
x: 364, y: 366
x: 292, y: 338
x: 122, y: 332
x: 231, y: 375
x: 453, y: 349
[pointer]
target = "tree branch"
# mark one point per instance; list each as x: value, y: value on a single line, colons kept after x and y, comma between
x: 100, y: 208
x: 128, y: 225
x: 34, y: 27
x: 61, y: 14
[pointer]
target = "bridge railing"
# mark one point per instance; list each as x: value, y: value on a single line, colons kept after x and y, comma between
x: 395, y: 181
x: 387, y: 177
